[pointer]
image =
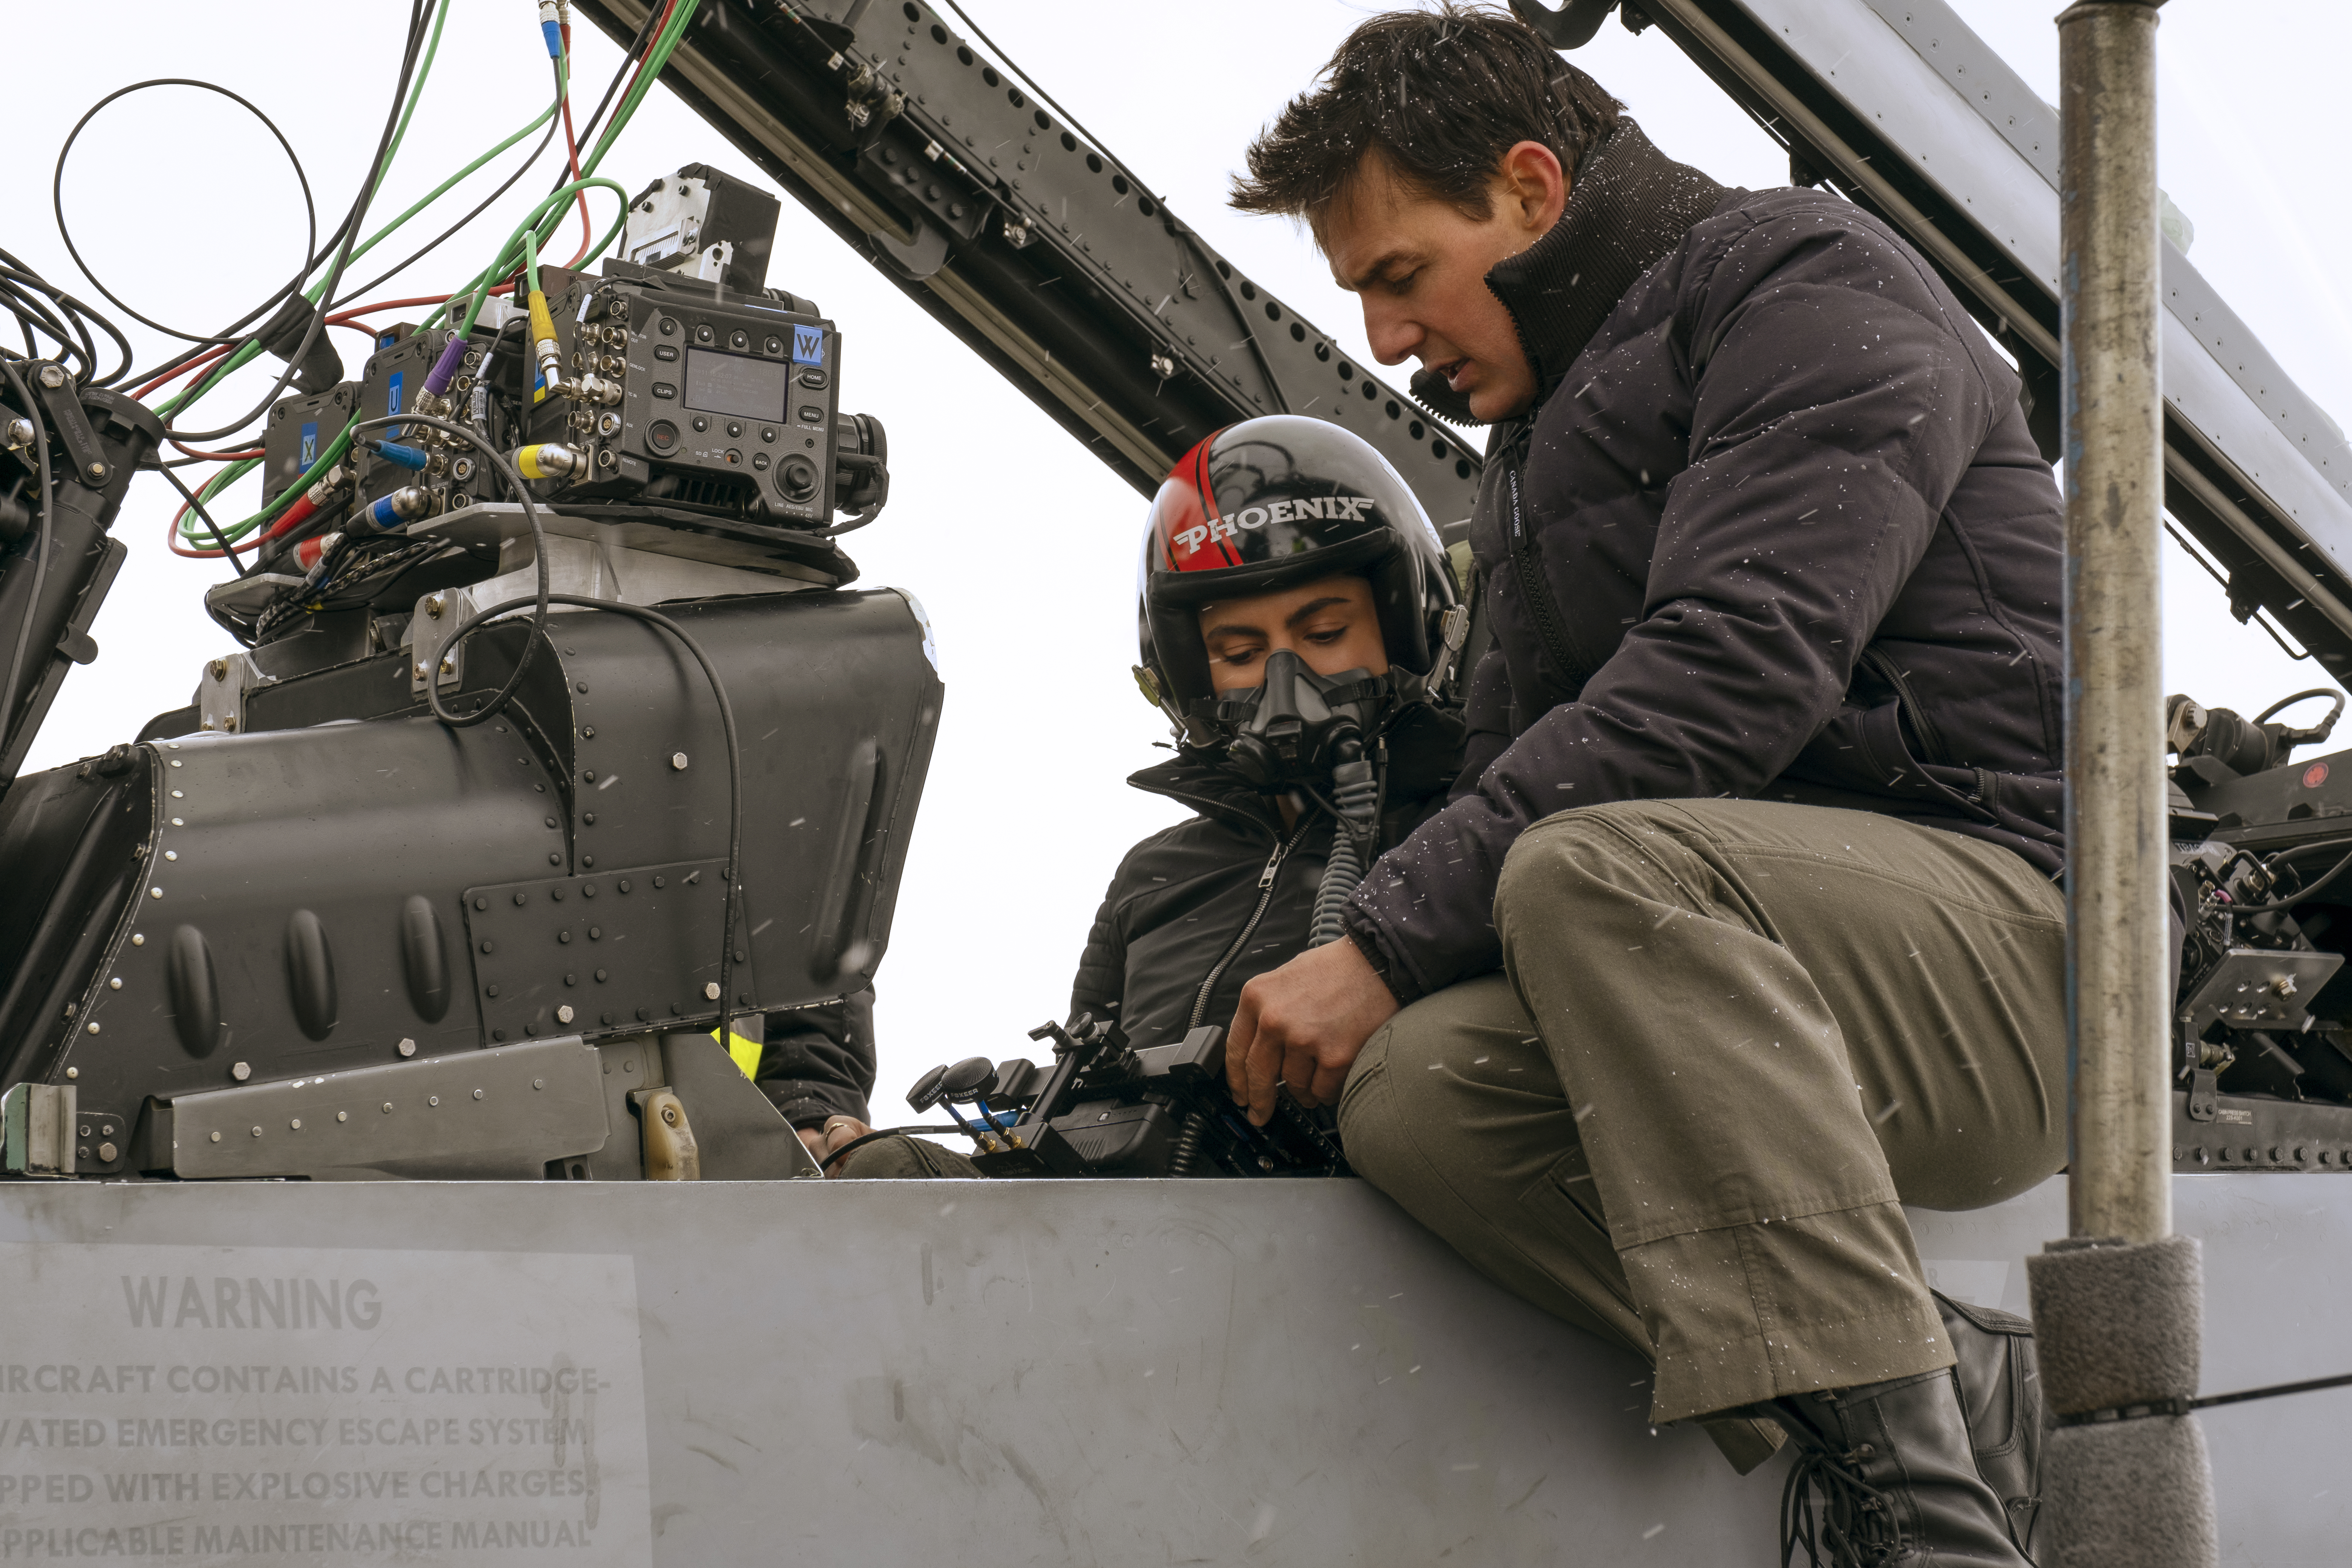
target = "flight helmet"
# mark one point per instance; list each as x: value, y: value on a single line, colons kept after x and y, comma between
x: 1269, y: 504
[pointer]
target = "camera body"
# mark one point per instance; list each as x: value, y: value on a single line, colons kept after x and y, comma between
x: 711, y: 402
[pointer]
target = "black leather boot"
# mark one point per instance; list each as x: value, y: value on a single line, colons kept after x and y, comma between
x: 2001, y: 1398
x: 1886, y: 1474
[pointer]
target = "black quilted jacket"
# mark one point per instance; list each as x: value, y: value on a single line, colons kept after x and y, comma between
x: 1775, y: 530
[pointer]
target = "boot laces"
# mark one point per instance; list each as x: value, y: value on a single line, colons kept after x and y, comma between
x: 1841, y: 1519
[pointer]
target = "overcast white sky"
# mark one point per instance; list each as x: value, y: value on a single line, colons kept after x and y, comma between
x: 186, y: 208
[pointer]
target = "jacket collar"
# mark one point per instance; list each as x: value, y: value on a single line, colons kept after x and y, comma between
x: 1211, y: 791
x: 1628, y: 207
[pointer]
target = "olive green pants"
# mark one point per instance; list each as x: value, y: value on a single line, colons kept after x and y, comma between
x: 1731, y: 1037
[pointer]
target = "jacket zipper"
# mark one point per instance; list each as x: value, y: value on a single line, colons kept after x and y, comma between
x: 1536, y: 591
x: 1264, y: 897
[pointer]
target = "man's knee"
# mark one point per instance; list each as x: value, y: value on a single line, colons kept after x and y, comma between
x: 1577, y: 866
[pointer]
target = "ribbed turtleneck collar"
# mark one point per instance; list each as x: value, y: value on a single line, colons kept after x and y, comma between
x: 1629, y: 205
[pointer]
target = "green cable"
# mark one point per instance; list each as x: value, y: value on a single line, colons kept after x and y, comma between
x: 510, y: 253
x: 530, y: 258
x: 656, y: 57
x: 549, y: 214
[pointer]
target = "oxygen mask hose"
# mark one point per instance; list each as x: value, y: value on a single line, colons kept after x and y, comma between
x: 1355, y: 798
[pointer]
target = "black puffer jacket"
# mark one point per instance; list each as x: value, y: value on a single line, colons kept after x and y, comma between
x: 1776, y: 530
x: 1198, y: 909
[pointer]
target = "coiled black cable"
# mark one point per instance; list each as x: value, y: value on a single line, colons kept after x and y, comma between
x: 57, y: 206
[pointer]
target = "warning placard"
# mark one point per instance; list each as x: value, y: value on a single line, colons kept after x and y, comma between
x: 218, y: 1405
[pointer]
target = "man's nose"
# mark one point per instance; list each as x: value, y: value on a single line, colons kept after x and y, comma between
x: 1392, y: 332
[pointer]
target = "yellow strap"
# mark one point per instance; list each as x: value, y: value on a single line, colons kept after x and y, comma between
x: 746, y: 1053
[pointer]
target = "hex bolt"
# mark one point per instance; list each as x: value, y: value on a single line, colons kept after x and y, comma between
x: 93, y: 1028
x: 241, y: 1071
x: 52, y: 376
x: 216, y: 1137
x: 72, y: 1073
x: 296, y: 1124
x: 710, y: 991
x: 219, y: 667
x: 677, y: 761
x: 406, y: 1047
x: 387, y: 1108
x: 256, y: 1132
x: 563, y: 1014
x: 343, y: 1116
x: 478, y: 1094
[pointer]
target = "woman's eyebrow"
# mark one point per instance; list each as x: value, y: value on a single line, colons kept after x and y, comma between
x: 1312, y: 606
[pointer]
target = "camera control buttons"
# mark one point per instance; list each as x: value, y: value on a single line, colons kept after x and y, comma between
x: 734, y: 428
x: 702, y: 332
x: 767, y: 432
x: 813, y: 379
x: 664, y: 389
x: 662, y: 436
x: 701, y: 424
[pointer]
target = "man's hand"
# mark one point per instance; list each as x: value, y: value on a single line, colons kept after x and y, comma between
x: 1303, y: 1025
x: 824, y: 1141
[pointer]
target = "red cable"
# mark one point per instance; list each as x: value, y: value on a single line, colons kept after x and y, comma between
x: 650, y: 38
x: 199, y: 363
x: 571, y: 151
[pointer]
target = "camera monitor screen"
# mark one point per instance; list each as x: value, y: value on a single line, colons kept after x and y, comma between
x: 737, y: 384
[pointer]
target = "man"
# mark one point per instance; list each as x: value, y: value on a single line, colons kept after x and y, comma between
x: 1752, y: 869
x: 1282, y: 553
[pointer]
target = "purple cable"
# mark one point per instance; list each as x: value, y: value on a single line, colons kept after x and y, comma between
x: 444, y: 369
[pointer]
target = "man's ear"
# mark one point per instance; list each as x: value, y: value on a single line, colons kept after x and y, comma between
x: 1534, y: 187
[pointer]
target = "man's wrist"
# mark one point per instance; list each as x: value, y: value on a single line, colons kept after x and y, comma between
x: 1365, y: 944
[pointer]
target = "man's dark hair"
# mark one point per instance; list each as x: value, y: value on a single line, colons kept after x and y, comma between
x: 1441, y: 94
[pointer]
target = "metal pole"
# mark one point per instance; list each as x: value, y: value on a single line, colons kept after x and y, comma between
x: 2118, y: 968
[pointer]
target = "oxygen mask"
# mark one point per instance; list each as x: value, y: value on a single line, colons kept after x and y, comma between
x: 1299, y: 725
